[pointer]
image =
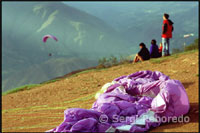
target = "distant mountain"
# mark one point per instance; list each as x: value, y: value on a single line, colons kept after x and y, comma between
x: 76, y: 30
x: 82, y: 40
x: 49, y: 69
x: 142, y: 21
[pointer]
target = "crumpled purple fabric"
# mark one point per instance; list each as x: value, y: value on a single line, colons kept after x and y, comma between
x: 129, y: 98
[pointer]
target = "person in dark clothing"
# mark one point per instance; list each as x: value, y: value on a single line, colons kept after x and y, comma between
x: 143, y: 54
x: 167, y: 29
x: 154, y: 52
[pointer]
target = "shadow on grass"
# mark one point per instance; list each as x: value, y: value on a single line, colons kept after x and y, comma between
x: 187, y: 84
x: 193, y: 112
x: 193, y: 115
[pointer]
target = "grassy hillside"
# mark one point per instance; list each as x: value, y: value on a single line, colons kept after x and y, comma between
x: 41, y: 108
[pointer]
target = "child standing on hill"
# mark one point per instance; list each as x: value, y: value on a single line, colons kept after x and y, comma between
x: 160, y: 50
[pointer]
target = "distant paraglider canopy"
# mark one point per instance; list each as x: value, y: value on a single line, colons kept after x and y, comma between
x: 49, y: 36
x: 188, y: 35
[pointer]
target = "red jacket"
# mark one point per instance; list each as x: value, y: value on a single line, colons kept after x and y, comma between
x: 167, y: 29
x: 160, y: 49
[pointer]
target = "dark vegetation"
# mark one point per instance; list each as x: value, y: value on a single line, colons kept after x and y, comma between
x: 192, y: 46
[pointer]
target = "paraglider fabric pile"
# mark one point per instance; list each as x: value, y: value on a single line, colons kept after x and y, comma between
x: 129, y: 103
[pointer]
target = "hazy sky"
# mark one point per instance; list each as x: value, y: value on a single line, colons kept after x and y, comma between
x: 98, y: 6
x: 122, y: 3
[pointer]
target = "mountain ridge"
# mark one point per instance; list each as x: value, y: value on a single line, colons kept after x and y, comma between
x: 79, y: 34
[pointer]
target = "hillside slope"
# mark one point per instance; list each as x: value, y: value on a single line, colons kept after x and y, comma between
x: 41, y: 108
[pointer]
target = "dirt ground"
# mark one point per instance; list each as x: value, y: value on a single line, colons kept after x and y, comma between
x: 42, y: 108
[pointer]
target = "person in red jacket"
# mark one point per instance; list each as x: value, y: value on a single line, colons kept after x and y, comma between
x: 167, y: 29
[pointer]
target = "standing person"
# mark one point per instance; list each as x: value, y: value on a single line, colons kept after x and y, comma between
x: 160, y: 50
x: 154, y: 53
x: 167, y: 29
x: 143, y: 54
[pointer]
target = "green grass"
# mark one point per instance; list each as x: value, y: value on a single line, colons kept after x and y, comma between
x: 48, y: 107
x: 86, y: 71
x: 28, y: 87
x: 46, y: 125
x: 159, y: 60
x: 188, y: 52
x: 50, y: 81
x: 163, y: 59
x: 22, y: 88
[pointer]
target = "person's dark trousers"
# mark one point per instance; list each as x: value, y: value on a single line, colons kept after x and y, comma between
x: 160, y: 54
x: 165, y: 42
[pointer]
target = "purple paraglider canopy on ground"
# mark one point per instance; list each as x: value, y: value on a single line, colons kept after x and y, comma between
x: 132, y: 103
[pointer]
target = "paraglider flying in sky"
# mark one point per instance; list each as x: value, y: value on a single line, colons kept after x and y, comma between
x: 49, y: 36
x: 45, y: 38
